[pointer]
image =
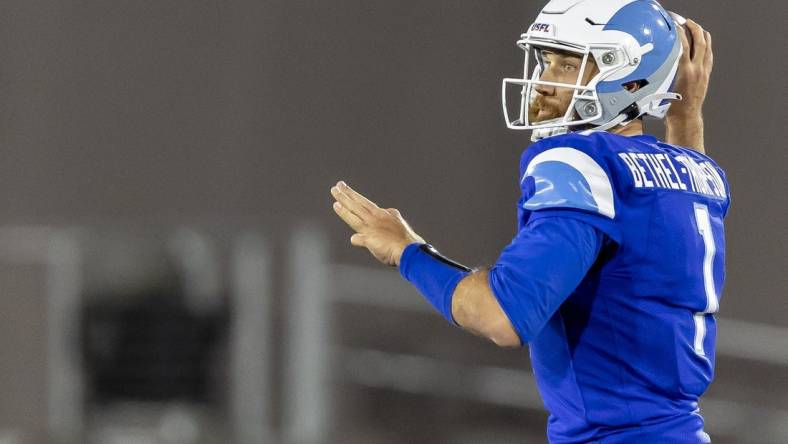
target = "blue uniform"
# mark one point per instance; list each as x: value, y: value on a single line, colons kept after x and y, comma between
x: 613, y: 280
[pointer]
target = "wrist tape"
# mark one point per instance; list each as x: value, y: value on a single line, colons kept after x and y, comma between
x: 434, y: 275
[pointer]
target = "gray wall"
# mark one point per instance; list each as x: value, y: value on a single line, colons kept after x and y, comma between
x: 156, y: 113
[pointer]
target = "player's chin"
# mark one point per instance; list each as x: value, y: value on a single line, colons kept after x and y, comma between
x: 545, y: 115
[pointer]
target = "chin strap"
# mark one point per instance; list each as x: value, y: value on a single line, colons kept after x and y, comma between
x: 543, y: 133
x: 620, y: 119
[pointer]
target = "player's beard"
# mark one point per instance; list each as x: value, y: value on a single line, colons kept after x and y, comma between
x: 544, y: 108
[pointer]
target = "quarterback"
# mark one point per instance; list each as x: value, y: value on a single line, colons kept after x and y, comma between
x: 617, y: 267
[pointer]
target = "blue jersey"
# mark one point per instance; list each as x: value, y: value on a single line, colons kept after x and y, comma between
x: 613, y: 280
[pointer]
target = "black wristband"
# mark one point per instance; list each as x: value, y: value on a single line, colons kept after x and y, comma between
x: 429, y: 249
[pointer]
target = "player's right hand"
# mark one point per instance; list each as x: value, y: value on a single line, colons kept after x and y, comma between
x: 695, y: 66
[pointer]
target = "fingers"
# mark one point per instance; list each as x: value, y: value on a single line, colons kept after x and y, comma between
x: 685, y: 46
x: 351, y: 205
x: 708, y: 60
x: 356, y: 196
x: 358, y: 240
x: 354, y: 201
x: 355, y: 222
x: 698, y: 40
x: 355, y: 209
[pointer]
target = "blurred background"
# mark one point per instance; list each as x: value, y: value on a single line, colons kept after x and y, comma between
x: 171, y: 270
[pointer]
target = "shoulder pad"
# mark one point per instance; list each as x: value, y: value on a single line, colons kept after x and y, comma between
x: 566, y: 177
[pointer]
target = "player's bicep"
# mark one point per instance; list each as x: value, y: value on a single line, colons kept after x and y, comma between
x: 540, y: 268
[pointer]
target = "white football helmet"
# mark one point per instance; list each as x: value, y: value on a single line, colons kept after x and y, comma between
x: 630, y: 41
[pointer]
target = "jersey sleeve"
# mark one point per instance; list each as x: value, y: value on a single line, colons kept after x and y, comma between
x: 540, y: 268
x: 569, y: 174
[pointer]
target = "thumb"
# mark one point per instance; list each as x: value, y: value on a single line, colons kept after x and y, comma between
x: 358, y: 240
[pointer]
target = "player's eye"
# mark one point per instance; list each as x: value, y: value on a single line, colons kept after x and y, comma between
x: 568, y: 67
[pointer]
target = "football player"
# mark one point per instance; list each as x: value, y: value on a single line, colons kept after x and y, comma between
x: 617, y: 267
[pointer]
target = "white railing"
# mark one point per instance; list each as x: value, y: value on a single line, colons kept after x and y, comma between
x: 251, y: 369
x: 56, y: 256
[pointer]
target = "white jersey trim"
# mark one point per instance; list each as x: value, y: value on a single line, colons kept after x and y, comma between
x: 598, y: 181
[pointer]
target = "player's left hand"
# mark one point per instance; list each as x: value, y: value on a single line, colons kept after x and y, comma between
x: 381, y: 231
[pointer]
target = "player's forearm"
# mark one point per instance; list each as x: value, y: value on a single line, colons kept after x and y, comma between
x: 475, y: 309
x: 686, y: 131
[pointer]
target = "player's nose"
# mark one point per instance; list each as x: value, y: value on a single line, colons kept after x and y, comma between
x: 544, y: 89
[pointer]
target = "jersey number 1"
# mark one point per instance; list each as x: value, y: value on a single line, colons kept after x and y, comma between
x: 712, y: 304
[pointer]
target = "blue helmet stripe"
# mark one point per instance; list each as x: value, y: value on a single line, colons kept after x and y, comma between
x: 639, y: 22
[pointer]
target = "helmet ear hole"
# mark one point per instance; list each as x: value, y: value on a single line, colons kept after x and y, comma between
x: 635, y: 85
